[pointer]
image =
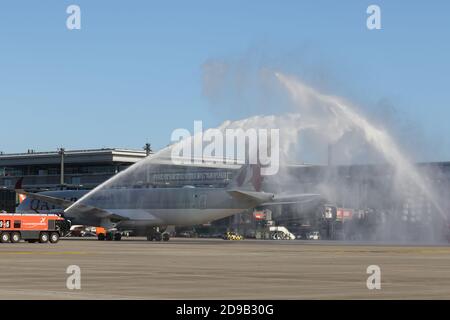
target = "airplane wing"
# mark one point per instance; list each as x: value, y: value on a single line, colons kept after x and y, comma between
x: 252, y: 196
x: 292, y: 199
x: 83, y: 210
x: 269, y: 199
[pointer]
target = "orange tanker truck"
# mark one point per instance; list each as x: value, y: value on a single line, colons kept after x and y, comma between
x: 29, y: 227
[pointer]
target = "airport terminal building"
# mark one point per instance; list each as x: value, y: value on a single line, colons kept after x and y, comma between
x: 82, y: 169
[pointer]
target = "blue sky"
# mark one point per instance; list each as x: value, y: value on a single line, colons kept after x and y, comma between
x: 133, y: 73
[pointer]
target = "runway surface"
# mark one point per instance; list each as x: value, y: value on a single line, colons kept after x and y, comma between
x: 218, y: 269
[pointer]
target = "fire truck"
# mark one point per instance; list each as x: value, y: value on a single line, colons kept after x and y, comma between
x: 41, y: 228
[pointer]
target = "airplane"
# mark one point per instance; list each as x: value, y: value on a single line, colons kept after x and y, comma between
x: 148, y: 211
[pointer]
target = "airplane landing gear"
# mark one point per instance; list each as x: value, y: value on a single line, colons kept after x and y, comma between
x: 109, y: 236
x: 155, y: 235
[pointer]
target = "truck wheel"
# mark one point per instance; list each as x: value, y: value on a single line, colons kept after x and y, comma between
x: 109, y: 236
x: 117, y: 236
x: 15, y: 237
x: 158, y: 236
x: 43, y: 237
x: 165, y: 236
x: 54, y: 237
x: 101, y: 236
x: 5, y: 237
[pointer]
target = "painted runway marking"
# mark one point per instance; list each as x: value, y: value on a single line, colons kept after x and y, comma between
x: 43, y: 252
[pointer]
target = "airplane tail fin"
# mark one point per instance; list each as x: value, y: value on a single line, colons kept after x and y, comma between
x: 247, y: 178
x: 247, y: 185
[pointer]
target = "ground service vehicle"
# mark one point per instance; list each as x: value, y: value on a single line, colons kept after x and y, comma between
x: 275, y: 233
x: 30, y: 227
x: 315, y: 235
x: 280, y: 233
x: 232, y: 236
x: 103, y: 234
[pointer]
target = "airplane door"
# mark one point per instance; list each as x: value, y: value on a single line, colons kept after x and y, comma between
x: 200, y: 202
x: 203, y: 201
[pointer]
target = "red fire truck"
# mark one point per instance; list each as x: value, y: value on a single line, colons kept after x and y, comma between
x: 30, y: 227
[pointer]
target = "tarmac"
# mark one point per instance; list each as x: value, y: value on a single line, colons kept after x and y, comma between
x: 217, y: 269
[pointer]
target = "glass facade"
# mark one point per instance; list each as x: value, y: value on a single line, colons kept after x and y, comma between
x: 7, y: 200
x: 85, y: 168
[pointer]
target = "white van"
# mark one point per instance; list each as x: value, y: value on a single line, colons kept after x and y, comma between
x: 315, y: 235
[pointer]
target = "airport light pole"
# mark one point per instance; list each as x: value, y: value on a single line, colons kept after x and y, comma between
x: 61, y: 152
x: 148, y: 149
